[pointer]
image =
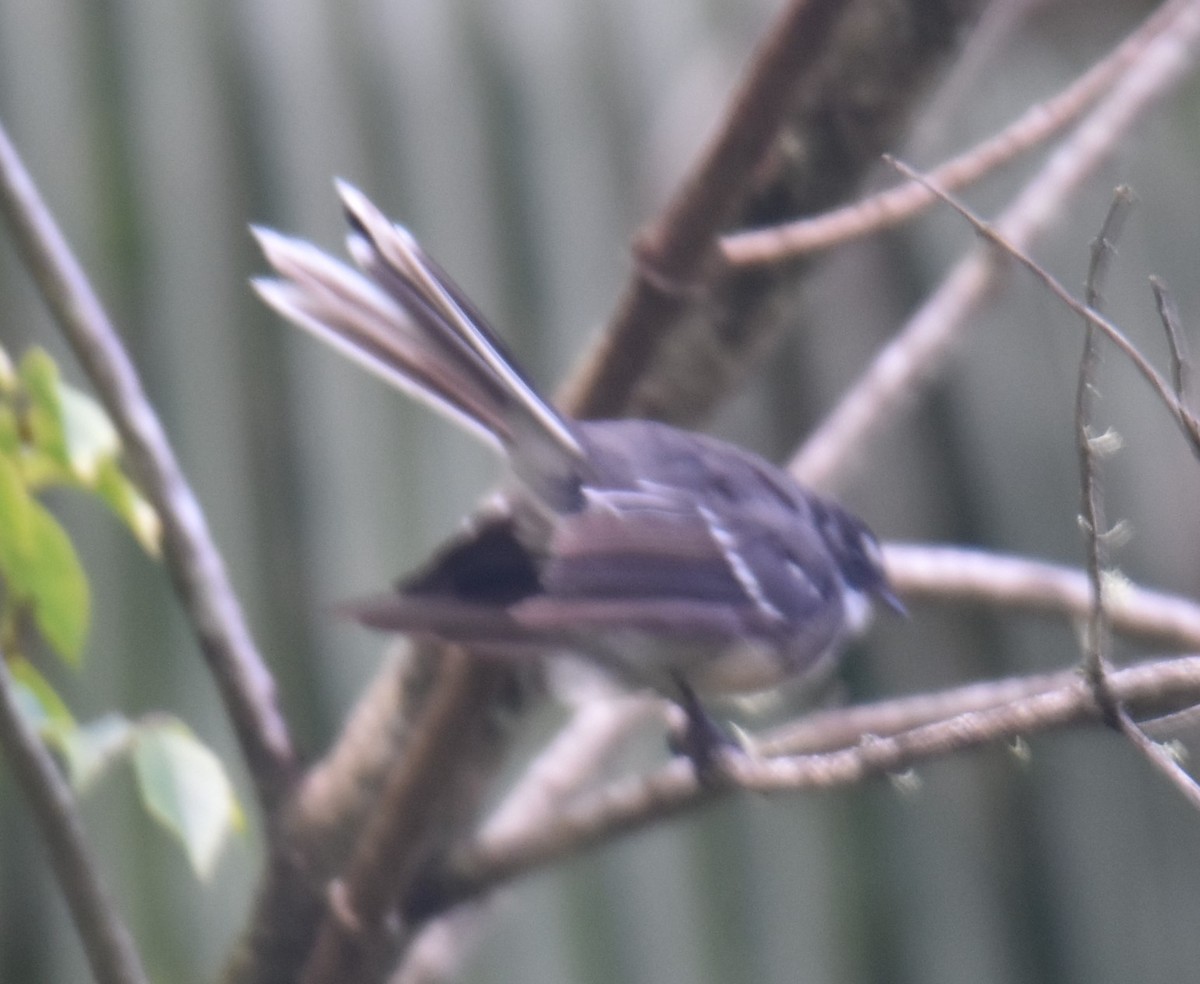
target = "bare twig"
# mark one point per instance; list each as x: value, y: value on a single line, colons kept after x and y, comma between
x: 1095, y: 657
x: 637, y: 802
x: 1161, y: 758
x: 959, y: 574
x: 916, y: 355
x: 1168, y: 314
x: 1188, y: 423
x: 196, y: 567
x: 785, y: 242
x: 1096, y: 639
x: 110, y: 949
x: 674, y: 254
x: 829, y: 730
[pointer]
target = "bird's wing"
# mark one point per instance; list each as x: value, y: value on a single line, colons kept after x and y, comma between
x: 664, y: 562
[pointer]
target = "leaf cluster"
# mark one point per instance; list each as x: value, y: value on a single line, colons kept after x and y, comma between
x: 54, y: 436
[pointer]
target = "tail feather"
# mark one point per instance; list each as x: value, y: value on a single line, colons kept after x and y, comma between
x: 393, y: 258
x: 347, y: 312
x: 404, y: 319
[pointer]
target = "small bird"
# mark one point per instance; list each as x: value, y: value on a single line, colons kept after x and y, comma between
x: 671, y: 560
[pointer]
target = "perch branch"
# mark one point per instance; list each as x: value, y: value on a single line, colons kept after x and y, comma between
x: 637, y: 802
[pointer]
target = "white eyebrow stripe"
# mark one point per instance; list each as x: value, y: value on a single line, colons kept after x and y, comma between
x: 727, y: 543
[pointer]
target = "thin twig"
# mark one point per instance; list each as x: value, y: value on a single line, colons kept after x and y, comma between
x: 916, y: 355
x: 788, y: 241
x: 1188, y: 423
x: 1096, y: 639
x: 1168, y: 314
x: 1161, y: 758
x: 195, y: 565
x: 635, y: 803
x: 674, y: 254
x: 829, y: 730
x: 109, y: 946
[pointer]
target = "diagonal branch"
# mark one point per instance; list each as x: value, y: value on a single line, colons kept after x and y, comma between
x: 197, y: 570
x: 413, y: 817
x: 674, y: 254
x: 106, y: 939
x: 790, y: 240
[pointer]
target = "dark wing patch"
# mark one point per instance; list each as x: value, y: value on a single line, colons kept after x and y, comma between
x: 486, y: 565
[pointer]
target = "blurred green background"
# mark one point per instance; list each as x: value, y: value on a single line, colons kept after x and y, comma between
x: 524, y: 141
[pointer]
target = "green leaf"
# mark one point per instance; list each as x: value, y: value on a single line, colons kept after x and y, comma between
x: 185, y: 788
x: 123, y: 498
x: 59, y: 435
x: 15, y: 524
x: 89, y: 750
x: 58, y: 587
x: 39, y: 376
x: 38, y: 700
x: 41, y: 568
x: 91, y: 439
x: 10, y: 431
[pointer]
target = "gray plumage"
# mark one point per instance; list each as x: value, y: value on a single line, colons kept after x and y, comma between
x: 669, y: 558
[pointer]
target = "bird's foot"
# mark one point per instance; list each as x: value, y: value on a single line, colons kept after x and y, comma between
x: 706, y: 743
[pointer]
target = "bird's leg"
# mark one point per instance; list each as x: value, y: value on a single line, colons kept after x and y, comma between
x: 702, y: 739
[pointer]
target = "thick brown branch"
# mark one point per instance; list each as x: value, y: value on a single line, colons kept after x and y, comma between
x: 412, y: 821
x: 673, y: 256
x: 791, y: 240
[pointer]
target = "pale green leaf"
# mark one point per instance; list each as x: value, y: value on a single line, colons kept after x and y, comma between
x: 185, y: 788
x: 38, y: 700
x: 91, y: 438
x: 89, y: 750
x: 124, y: 499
